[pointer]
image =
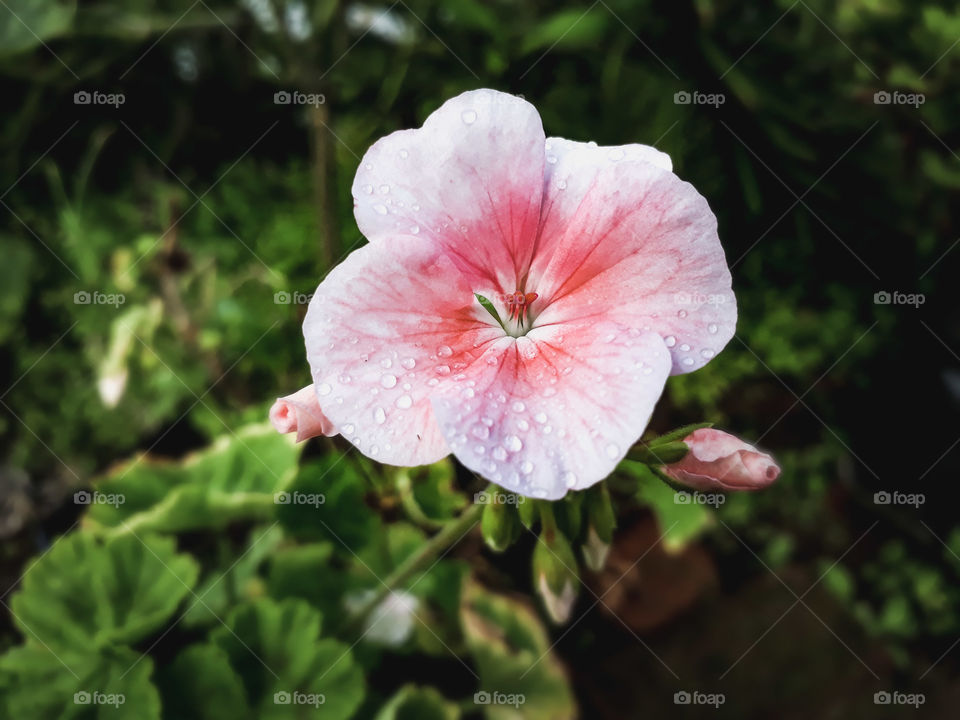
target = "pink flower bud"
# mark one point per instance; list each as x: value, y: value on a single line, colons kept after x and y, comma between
x: 721, y: 461
x: 300, y: 413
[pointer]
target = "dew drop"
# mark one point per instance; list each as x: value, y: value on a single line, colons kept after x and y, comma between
x: 480, y: 431
x: 408, y: 363
x: 518, y: 406
x: 526, y: 467
x: 348, y: 429
x: 404, y: 154
x: 500, y: 454
x: 380, y: 416
x: 707, y: 353
x: 384, y: 189
x: 540, y: 417
x: 685, y: 347
x: 388, y: 380
x: 523, y: 425
x: 415, y: 229
x: 569, y: 479
x: 469, y: 117
x: 368, y: 189
x: 380, y: 209
x: 444, y: 351
x: 442, y: 370
x: 712, y: 329
x: 386, y: 363
x: 323, y: 389
x: 512, y: 443
x: 404, y: 402
x: 682, y: 314
x: 687, y: 361
x: 562, y: 184
x: 670, y: 340
x: 613, y: 451
x: 552, y: 159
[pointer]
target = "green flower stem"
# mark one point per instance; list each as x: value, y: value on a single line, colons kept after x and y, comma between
x: 448, y: 536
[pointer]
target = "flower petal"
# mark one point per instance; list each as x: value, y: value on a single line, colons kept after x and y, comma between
x: 386, y: 326
x: 719, y: 460
x: 630, y: 241
x: 470, y: 180
x: 556, y: 409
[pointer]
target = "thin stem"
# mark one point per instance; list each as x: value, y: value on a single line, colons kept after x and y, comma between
x: 446, y: 538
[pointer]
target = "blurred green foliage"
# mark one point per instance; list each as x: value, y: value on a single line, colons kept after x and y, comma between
x: 214, y: 212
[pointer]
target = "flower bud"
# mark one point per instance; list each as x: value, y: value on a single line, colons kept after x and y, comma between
x: 721, y: 461
x: 555, y: 574
x: 600, y: 524
x: 300, y: 413
x: 499, y: 524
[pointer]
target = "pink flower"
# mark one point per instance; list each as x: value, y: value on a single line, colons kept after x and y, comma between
x: 300, y: 413
x: 721, y: 461
x: 604, y: 267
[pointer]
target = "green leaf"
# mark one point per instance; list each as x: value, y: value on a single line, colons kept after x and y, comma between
x: 680, y: 522
x: 567, y: 29
x: 418, y: 703
x: 25, y: 24
x: 87, y: 593
x: 235, y: 478
x: 75, y: 683
x: 201, y: 685
x: 285, y: 667
x: 309, y: 572
x: 512, y: 654
x: 343, y: 517
x: 428, y: 493
x: 679, y: 434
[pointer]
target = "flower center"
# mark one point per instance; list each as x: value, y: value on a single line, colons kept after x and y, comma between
x: 518, y: 306
x: 518, y: 320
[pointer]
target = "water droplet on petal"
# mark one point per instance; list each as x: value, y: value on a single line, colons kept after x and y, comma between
x: 380, y: 209
x: 348, y: 429
x: 707, y: 353
x: 518, y: 406
x: 386, y: 363
x: 415, y: 229
x: 384, y: 189
x: 500, y: 454
x: 380, y: 416
x: 682, y: 314
x: 480, y: 431
x: 409, y: 363
x: 513, y: 443
x: 687, y: 361
x: 526, y: 467
x: 613, y: 451
x: 323, y: 389
x: 444, y: 351
x: 540, y: 417
x: 569, y: 479
x: 368, y: 189
x: 469, y: 117
x: 670, y: 340
x: 712, y: 329
x: 404, y: 402
x: 442, y: 370
x: 562, y: 184
x: 388, y: 380
x: 404, y: 154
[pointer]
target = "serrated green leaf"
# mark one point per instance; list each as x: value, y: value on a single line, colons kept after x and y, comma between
x: 418, y: 703
x: 89, y: 593
x: 512, y: 653
x: 343, y: 517
x: 200, y: 685
x: 77, y: 683
x: 277, y: 651
x: 235, y: 478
